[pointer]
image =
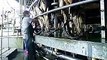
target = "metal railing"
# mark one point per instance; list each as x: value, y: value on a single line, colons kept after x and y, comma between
x: 60, y: 8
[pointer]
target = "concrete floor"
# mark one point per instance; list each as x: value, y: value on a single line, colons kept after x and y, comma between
x: 19, y: 56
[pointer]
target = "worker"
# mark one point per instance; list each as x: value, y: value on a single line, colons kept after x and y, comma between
x: 27, y: 33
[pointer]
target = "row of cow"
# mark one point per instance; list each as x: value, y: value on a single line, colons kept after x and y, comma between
x: 72, y: 22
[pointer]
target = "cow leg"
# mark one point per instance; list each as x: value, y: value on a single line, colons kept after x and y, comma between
x: 41, y: 24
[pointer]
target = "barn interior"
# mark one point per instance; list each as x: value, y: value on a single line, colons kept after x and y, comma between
x: 64, y: 29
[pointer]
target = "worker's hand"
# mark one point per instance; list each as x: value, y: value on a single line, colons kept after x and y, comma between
x: 34, y: 34
x: 33, y: 24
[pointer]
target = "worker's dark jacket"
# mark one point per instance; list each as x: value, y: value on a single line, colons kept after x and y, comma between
x: 30, y: 44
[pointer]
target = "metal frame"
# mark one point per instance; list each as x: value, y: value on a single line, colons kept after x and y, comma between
x: 89, y: 49
x: 79, y: 3
x: 60, y: 8
x: 61, y: 55
x: 85, y: 48
x: 67, y: 6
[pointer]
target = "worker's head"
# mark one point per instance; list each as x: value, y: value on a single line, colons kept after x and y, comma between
x: 26, y: 13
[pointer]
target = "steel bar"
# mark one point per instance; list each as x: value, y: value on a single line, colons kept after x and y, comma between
x: 2, y: 30
x: 102, y: 20
x: 25, y: 6
x: 21, y: 2
x: 86, y: 48
x: 11, y: 36
x: 61, y: 55
x: 45, y: 58
x: 71, y: 5
x: 32, y: 4
x: 8, y: 28
x: 55, y: 21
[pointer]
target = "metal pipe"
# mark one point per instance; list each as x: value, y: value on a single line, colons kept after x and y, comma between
x: 10, y: 37
x: 71, y: 5
x: 25, y: 2
x: 60, y: 55
x: 55, y: 20
x: 2, y: 31
x: 103, y: 32
x: 32, y: 4
x: 8, y: 28
x: 21, y: 2
x: 55, y: 25
x: 45, y: 58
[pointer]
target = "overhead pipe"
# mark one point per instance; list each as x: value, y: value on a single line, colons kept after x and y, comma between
x: 32, y: 4
x: 67, y: 6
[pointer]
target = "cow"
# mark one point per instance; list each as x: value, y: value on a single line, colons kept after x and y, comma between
x: 43, y: 20
x: 72, y: 19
